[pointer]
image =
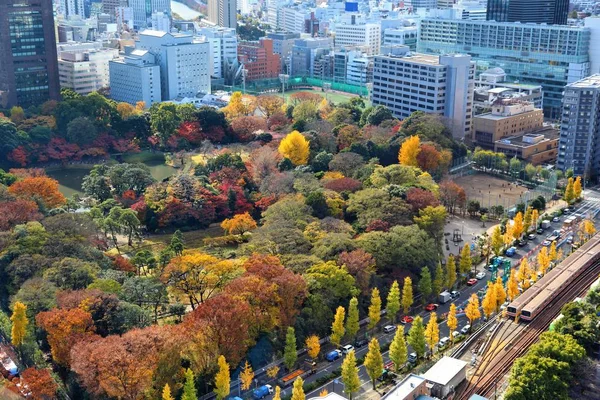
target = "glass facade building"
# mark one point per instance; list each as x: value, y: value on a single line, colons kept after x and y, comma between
x: 538, y: 11
x: 546, y: 55
x: 29, y: 65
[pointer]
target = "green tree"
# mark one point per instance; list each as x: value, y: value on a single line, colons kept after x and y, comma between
x: 222, y: 379
x: 425, y: 285
x: 290, y: 352
x: 350, y: 374
x: 466, y: 262
x: 337, y: 328
x: 298, y: 389
x: 393, y: 301
x: 569, y: 191
x: 416, y: 336
x: 450, y: 272
x: 81, y: 131
x: 374, y: 361
x: 352, y: 320
x: 9, y: 136
x: 407, y: 295
x: 438, y: 280
x: 177, y: 243
x: 374, y: 309
x: 398, y: 349
x: 189, y: 387
x: 164, y: 120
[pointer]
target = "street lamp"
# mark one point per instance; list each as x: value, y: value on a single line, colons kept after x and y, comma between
x: 326, y: 88
x: 283, y: 78
x: 244, y: 76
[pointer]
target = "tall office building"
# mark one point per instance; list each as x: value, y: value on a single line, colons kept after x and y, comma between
x: 433, y: 84
x: 538, y: 11
x: 355, y: 31
x: 109, y: 6
x: 259, y: 60
x: 83, y: 67
x: 135, y: 78
x: 548, y: 55
x: 579, y: 144
x: 223, y: 13
x: 70, y: 8
x: 224, y: 52
x: 28, y: 65
x: 143, y: 9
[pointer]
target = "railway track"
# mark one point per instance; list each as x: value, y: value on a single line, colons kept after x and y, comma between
x: 496, y: 362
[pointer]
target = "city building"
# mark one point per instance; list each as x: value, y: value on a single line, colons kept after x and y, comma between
x: 109, y: 6
x: 404, y: 35
x: 354, y: 31
x: 223, y: 13
x: 160, y: 21
x: 546, y: 55
x: 445, y: 376
x: 537, y: 148
x: 224, y: 45
x: 410, y: 388
x: 537, y: 11
x: 259, y: 60
x: 184, y: 62
x: 421, y: 4
x: 84, y: 67
x: 291, y: 19
x: 77, y: 30
x: 491, y: 85
x: 283, y: 42
x: 143, y: 9
x: 135, y: 77
x: 507, y: 118
x: 71, y: 8
x: 579, y: 130
x: 29, y: 65
x: 433, y: 84
x: 304, y: 54
x: 352, y: 66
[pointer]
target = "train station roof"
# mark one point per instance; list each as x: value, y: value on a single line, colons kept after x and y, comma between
x: 444, y: 370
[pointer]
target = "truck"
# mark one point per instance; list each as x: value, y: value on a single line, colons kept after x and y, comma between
x: 444, y: 297
x: 333, y: 355
x: 262, y: 392
x: 291, y: 377
x: 545, y: 224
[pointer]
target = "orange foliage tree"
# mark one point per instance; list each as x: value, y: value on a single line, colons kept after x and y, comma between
x: 43, y: 188
x: 40, y: 383
x: 239, y: 224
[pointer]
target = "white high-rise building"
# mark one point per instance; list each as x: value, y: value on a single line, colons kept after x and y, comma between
x: 353, y: 31
x: 184, y: 62
x: 143, y: 9
x: 224, y: 49
x: 223, y: 13
x: 70, y: 8
x: 135, y: 78
x: 160, y: 21
x: 84, y: 68
x: 434, y: 84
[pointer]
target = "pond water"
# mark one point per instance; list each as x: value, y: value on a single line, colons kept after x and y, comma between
x: 70, y: 179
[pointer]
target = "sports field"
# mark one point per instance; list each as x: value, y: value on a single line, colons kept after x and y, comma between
x: 335, y: 97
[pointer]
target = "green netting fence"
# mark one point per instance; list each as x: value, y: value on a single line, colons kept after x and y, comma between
x: 274, y: 85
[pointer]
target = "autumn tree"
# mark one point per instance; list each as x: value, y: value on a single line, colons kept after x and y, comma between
x: 269, y: 104
x: 577, y: 188
x: 497, y: 241
x: 19, y: 324
x: 298, y: 389
x: 337, y: 328
x: 588, y: 228
x: 425, y: 285
x: 393, y: 301
x: 535, y: 216
x: 352, y: 319
x: 374, y: 309
x: 374, y: 361
x: 277, y: 394
x: 295, y: 147
x: 452, y: 321
x: 350, y: 376
x: 438, y: 280
x: 398, y: 349
x: 466, y: 262
x: 512, y: 285
x: 273, y: 372
x: 543, y: 261
x: 489, y: 301
x: 450, y: 272
x: 189, y: 387
x: 245, y: 128
x: 246, y: 376
x: 416, y: 336
x: 166, y: 393
x: 518, y: 226
x: 527, y: 219
x: 407, y: 295
x: 313, y: 346
x: 40, y: 383
x: 472, y: 310
x: 222, y: 379
x: 361, y: 265
x: 239, y: 224
x: 39, y: 188
x: 552, y: 253
x: 409, y: 151
x: 524, y: 273
x: 569, y: 195
x: 500, y: 293
x: 290, y: 352
x: 432, y: 331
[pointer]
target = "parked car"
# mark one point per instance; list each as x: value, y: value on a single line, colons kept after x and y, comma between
x: 471, y: 282
x: 443, y: 341
x: 546, y: 243
x: 465, y: 329
x: 480, y: 275
x: 389, y: 328
x: 455, y: 294
x: 555, y: 219
x: 531, y: 236
x: 539, y: 231
x: 431, y: 307
x: 347, y: 348
x: 262, y: 392
x: 511, y: 251
x: 360, y: 343
x: 333, y: 355
x: 407, y: 319
x: 522, y: 242
x: 412, y: 358
x: 570, y: 240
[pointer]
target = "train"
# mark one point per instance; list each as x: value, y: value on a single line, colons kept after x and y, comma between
x: 538, y: 296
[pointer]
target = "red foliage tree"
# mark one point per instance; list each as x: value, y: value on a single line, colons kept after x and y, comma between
x: 42, y: 188
x: 59, y: 150
x: 452, y: 195
x: 361, y: 265
x: 18, y: 212
x: 19, y: 156
x: 265, y: 201
x: 243, y: 128
x: 191, y: 131
x: 236, y: 199
x: 419, y: 199
x: 429, y: 157
x: 378, y: 225
x: 121, y: 263
x: 179, y: 214
x: 27, y: 172
x: 277, y: 121
x: 40, y: 383
x: 343, y: 185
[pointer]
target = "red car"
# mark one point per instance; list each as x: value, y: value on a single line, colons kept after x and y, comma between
x: 471, y: 282
x: 431, y: 307
x: 407, y: 319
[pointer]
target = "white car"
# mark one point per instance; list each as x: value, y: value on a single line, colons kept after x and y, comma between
x: 389, y: 328
x: 480, y: 275
x: 443, y: 341
x: 465, y: 329
x: 347, y: 348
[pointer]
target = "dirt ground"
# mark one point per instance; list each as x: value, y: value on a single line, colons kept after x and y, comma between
x: 491, y: 191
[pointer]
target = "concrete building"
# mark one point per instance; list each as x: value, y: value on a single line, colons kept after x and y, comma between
x: 143, y: 9
x: 223, y: 13
x: 77, y: 30
x: 410, y: 388
x: 283, y: 42
x: 353, y: 31
x: 108, y: 6
x: 160, y: 21
x: 404, y: 35
x: 135, y: 77
x: 29, y: 65
x: 491, y: 85
x: 185, y: 63
x: 305, y: 52
x: 259, y: 60
x: 421, y: 4
x: 507, y: 118
x: 579, y: 145
x: 537, y: 148
x: 433, y: 84
x: 446, y: 375
x: 224, y: 51
x: 85, y: 70
x: 292, y: 19
x: 537, y: 11
x: 71, y: 8
x: 555, y: 55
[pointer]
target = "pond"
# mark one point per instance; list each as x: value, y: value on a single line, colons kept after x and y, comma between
x: 70, y: 178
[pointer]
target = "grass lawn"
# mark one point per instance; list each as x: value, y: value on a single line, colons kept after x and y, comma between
x: 336, y: 97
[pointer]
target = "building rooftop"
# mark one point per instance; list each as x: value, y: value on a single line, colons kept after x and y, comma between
x: 590, y: 81
x: 404, y: 388
x: 444, y: 370
x: 329, y: 396
x: 532, y: 138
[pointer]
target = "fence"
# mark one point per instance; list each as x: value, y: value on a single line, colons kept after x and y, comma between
x: 260, y: 86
